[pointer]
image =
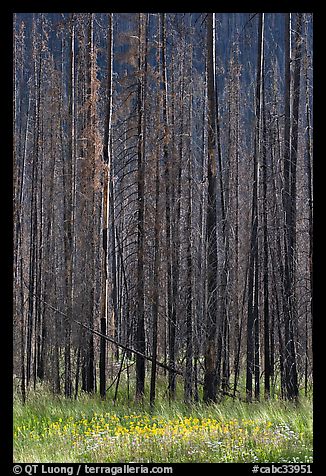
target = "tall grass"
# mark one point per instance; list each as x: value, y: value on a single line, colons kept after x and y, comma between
x: 50, y: 428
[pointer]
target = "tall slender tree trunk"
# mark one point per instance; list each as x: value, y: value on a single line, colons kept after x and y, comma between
x: 155, y: 298
x: 34, y: 214
x: 188, y: 390
x: 310, y: 219
x: 188, y: 384
x: 239, y: 317
x: 107, y: 179
x: 168, y: 218
x: 140, y: 331
x: 290, y: 366
x: 69, y: 212
x: 111, y: 231
x: 253, y: 333
x: 210, y: 383
x: 267, y: 332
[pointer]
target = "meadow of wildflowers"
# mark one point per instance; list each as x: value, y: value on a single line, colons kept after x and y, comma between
x: 87, y: 431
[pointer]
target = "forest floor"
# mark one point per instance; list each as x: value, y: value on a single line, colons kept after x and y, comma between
x: 51, y: 429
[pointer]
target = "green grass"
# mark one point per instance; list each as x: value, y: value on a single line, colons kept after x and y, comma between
x: 53, y: 429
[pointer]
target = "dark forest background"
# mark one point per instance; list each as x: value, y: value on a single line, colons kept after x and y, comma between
x: 163, y: 203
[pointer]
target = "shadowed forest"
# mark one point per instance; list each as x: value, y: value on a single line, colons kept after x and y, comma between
x: 163, y: 209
